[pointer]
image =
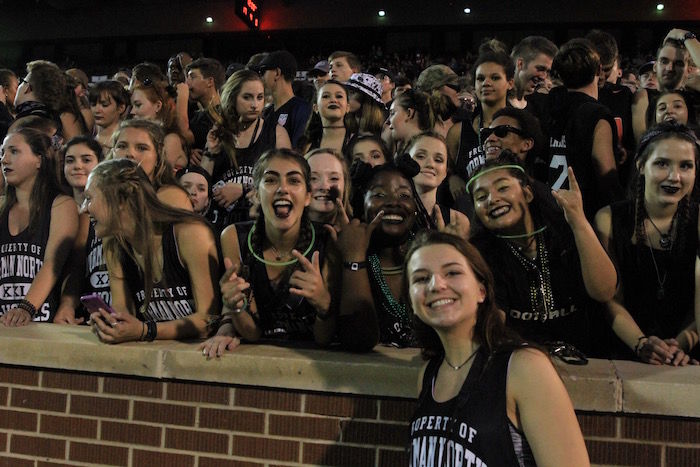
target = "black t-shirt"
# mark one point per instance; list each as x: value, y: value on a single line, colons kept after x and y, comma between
x: 200, y: 124
x: 292, y: 115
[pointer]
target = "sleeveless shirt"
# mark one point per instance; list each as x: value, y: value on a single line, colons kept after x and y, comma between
x: 21, y: 258
x: 171, y: 297
x: 472, y: 428
x: 662, y: 315
x: 225, y: 171
x: 282, y: 314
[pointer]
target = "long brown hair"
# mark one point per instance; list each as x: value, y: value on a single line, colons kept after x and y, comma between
x: 126, y: 187
x: 490, y: 330
x: 45, y: 186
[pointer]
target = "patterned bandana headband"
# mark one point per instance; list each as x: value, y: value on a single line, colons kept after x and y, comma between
x: 507, y: 166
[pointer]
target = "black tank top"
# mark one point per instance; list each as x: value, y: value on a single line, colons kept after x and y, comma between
x: 282, y: 315
x: 21, y: 258
x: 246, y: 158
x: 171, y: 297
x: 471, y: 154
x: 472, y: 428
x: 658, y: 314
x: 96, y: 268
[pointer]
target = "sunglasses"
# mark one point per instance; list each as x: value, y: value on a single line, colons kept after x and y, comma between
x: 501, y: 131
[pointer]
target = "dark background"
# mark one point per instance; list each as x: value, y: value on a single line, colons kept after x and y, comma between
x: 99, y: 36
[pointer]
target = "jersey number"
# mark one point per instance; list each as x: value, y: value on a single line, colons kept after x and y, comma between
x: 559, y: 163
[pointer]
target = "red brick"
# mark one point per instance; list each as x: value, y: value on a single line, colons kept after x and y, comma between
x: 103, y: 407
x: 15, y: 462
x: 133, y: 387
x: 397, y: 410
x: 660, y: 429
x: 617, y: 453
x: 161, y: 458
x: 267, y: 448
x: 232, y: 420
x: 189, y: 440
x: 383, y: 434
x: 70, y: 427
x: 341, y: 406
x: 98, y: 453
x: 40, y: 447
x: 682, y: 456
x: 337, y: 455
x: 38, y: 400
x: 3, y: 395
x: 16, y: 420
x: 267, y: 399
x: 131, y: 433
x: 164, y: 413
x: 392, y: 458
x: 211, y: 462
x: 195, y: 392
x: 304, y: 427
x: 69, y: 380
x: 20, y: 376
x: 55, y: 464
x: 597, y: 425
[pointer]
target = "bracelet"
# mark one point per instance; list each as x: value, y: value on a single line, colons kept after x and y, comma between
x: 640, y: 344
x: 354, y: 266
x: 27, y: 306
x: 143, y: 330
x: 152, y: 331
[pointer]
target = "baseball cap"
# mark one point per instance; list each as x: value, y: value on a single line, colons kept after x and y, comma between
x: 436, y: 76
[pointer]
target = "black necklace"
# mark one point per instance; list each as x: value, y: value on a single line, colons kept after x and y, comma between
x: 457, y: 367
x: 660, y: 281
x: 665, y: 239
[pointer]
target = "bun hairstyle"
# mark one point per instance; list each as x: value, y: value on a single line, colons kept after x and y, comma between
x: 495, y: 51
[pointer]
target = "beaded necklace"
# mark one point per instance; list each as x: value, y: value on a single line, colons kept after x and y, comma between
x: 395, y: 308
x: 541, y: 296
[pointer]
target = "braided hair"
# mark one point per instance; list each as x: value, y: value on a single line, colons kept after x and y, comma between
x: 124, y: 184
x: 689, y: 203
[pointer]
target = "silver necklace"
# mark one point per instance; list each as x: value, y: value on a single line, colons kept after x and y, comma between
x: 457, y: 367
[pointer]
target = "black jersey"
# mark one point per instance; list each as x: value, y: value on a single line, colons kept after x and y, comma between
x: 570, y: 129
x: 283, y: 315
x: 292, y: 115
x: 471, y: 429
x: 21, y: 258
x: 171, y: 297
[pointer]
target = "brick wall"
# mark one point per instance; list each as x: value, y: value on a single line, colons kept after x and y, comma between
x: 50, y: 417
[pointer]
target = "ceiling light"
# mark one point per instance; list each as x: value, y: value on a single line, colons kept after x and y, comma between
x: 467, y: 10
x: 209, y: 19
x: 381, y: 13
x: 660, y: 6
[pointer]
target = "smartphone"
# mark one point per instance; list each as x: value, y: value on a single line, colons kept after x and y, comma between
x: 94, y: 302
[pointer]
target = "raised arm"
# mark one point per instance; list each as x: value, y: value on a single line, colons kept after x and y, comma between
x: 599, y: 275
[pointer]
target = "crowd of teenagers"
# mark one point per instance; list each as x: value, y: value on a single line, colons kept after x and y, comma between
x: 550, y: 208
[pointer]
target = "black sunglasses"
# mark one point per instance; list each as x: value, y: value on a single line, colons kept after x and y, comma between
x: 501, y: 131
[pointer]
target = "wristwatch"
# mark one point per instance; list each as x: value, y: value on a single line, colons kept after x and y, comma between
x: 689, y: 36
x: 354, y: 266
